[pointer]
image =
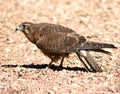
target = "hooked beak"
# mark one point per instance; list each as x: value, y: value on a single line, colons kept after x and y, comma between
x: 18, y: 28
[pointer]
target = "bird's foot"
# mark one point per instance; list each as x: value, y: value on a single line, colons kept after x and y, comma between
x: 60, y: 67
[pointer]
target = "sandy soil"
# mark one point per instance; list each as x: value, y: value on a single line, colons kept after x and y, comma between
x: 23, y: 66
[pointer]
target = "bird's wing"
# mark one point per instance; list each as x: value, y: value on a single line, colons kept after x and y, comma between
x: 59, y: 42
x: 47, y: 28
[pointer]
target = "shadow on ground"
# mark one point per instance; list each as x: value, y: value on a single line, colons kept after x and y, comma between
x: 43, y: 66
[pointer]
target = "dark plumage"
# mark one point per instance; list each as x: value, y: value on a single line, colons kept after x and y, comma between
x: 57, y: 41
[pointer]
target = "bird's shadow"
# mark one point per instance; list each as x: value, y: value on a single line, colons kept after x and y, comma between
x: 43, y: 66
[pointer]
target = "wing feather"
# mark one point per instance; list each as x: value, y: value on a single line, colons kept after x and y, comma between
x: 59, y: 43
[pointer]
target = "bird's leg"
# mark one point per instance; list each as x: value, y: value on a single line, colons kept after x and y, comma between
x: 86, y: 67
x: 61, y: 63
x: 50, y: 63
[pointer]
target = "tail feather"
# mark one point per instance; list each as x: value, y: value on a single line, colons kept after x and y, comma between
x: 95, y: 45
x: 101, y: 50
x: 88, y: 61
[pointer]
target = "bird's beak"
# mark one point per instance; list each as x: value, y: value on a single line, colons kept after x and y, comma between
x: 18, y: 28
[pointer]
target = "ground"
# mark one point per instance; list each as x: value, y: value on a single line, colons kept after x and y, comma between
x: 23, y: 66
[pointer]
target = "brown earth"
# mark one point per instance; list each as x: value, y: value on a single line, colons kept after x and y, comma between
x: 22, y: 65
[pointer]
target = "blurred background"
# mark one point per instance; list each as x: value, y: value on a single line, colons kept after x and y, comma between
x: 97, y: 20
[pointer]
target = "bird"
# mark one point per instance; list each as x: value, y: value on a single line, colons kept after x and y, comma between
x: 58, y: 42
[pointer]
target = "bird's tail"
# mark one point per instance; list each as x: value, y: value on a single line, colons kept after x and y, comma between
x: 88, y: 62
x: 95, y: 45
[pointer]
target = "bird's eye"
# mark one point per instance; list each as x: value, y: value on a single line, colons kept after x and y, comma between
x: 23, y: 27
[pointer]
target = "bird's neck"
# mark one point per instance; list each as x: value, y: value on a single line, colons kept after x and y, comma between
x: 30, y: 38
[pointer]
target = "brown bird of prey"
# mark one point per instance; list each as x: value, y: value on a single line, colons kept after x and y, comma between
x: 57, y: 42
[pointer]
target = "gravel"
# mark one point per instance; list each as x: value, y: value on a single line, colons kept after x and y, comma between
x: 23, y: 66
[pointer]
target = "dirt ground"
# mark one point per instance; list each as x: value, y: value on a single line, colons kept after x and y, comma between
x: 23, y: 66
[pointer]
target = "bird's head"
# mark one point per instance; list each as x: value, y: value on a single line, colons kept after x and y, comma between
x: 25, y: 27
